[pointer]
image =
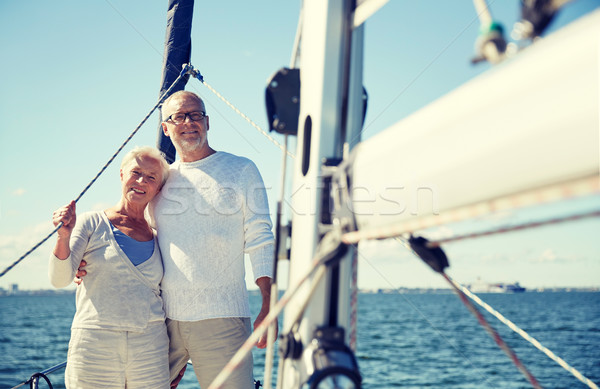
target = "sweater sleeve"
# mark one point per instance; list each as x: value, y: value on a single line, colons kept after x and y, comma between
x: 258, y: 242
x: 62, y: 272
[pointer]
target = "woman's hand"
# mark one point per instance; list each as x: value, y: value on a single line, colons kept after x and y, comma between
x: 66, y: 216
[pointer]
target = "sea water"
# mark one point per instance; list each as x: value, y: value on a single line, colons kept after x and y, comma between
x: 406, y: 340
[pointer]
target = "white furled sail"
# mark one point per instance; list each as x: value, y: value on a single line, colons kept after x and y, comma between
x: 530, y: 123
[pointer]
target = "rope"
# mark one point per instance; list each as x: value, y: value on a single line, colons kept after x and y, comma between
x: 464, y: 292
x: 424, y: 317
x: 270, y: 354
x: 252, y: 123
x: 185, y: 70
x: 528, y: 337
x: 246, y: 348
x: 15, y: 263
x: 294, y: 323
x: 493, y: 333
x: 561, y: 191
x: 354, y: 301
x: 483, y: 12
x: 519, y: 227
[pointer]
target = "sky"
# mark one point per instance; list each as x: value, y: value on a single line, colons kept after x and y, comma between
x: 78, y: 77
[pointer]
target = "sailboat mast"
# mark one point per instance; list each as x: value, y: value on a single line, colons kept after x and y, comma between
x: 178, y: 49
x: 331, y: 111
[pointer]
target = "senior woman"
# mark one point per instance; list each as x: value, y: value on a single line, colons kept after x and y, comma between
x: 118, y: 336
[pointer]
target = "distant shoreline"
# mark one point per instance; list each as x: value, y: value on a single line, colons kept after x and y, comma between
x: 58, y: 292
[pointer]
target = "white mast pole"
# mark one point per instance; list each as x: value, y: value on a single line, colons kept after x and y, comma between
x: 327, y: 118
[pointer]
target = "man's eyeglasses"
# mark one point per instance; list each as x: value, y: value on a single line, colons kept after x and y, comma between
x: 179, y: 118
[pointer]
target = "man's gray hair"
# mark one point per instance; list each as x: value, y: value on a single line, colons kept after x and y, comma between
x: 180, y: 94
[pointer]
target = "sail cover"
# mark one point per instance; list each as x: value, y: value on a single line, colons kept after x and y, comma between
x: 531, y: 123
x: 178, y: 49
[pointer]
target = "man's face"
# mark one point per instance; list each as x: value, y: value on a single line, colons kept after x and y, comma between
x: 189, y: 136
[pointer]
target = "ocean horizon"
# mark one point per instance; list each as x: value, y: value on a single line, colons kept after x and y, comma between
x: 404, y: 340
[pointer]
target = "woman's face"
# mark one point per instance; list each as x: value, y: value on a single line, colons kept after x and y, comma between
x: 141, y: 179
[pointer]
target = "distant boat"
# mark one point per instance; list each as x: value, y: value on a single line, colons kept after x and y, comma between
x: 482, y: 287
x: 513, y: 288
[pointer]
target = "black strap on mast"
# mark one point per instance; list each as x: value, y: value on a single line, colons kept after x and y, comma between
x: 178, y: 49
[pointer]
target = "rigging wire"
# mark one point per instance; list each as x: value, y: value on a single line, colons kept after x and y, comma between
x: 245, y: 117
x: 431, y: 255
x: 561, y: 191
x: 492, y: 332
x: 318, y: 270
x: 526, y: 336
x: 353, y: 301
x: 269, y: 357
x: 437, y: 260
x: 202, y: 93
x: 160, y: 100
x: 519, y: 227
x: 414, y: 79
x: 437, y: 331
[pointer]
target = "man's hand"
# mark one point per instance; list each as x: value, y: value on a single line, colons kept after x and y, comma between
x: 264, y: 284
x: 80, y: 273
x: 179, y: 377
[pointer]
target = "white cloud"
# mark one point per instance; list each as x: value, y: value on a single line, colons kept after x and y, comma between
x: 547, y: 255
x: 550, y: 256
x: 31, y: 272
x: 19, y: 192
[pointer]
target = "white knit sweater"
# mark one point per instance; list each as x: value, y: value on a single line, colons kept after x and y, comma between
x: 209, y: 213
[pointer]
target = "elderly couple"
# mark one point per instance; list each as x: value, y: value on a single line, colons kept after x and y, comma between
x: 207, y: 210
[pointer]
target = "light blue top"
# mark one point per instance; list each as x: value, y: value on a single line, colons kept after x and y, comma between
x: 137, y: 252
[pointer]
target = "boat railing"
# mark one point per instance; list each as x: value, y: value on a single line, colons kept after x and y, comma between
x: 34, y: 380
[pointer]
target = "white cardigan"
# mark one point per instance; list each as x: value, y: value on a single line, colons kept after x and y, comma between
x: 114, y: 294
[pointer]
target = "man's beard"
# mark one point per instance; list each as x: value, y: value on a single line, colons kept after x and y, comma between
x: 191, y: 145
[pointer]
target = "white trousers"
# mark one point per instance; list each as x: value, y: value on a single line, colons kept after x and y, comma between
x: 108, y: 359
x: 210, y: 344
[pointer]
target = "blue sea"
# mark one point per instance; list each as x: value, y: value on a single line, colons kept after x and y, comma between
x: 407, y: 340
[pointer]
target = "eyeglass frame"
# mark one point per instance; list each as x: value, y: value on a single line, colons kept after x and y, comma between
x: 186, y: 115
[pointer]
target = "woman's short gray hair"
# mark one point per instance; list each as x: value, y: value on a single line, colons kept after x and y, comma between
x: 150, y: 152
